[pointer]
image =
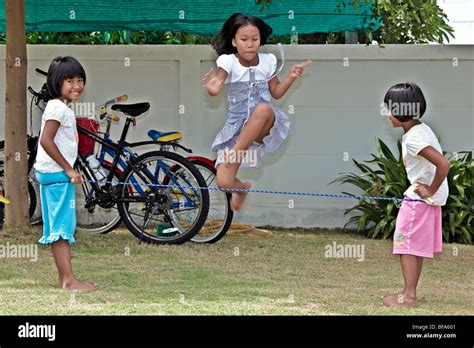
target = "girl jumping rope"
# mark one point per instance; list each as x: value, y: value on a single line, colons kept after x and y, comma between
x: 57, y: 152
x: 418, y: 231
x: 254, y: 127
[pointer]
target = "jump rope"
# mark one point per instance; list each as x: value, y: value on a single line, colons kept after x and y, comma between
x: 290, y: 193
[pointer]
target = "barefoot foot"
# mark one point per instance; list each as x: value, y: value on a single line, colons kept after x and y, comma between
x: 238, y: 198
x: 399, y: 300
x: 391, y: 294
x: 79, y: 286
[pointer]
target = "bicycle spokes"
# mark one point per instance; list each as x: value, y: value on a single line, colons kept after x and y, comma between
x: 165, y: 202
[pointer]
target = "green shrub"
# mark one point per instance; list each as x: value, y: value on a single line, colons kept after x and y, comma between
x: 385, y: 176
x: 458, y: 213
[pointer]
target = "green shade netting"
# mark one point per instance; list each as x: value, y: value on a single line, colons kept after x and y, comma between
x: 197, y: 16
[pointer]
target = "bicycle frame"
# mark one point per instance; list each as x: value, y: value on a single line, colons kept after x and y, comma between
x: 121, y: 150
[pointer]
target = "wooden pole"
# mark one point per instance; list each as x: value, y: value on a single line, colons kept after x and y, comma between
x: 16, y: 160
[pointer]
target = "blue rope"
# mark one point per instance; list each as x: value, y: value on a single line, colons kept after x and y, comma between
x: 289, y: 193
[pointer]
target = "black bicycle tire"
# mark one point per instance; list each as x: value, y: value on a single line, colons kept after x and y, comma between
x: 31, y: 194
x: 230, y: 214
x: 204, y: 193
x: 31, y: 208
x: 33, y: 199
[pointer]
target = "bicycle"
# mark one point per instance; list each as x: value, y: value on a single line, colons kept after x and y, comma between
x: 176, y: 215
x: 151, y: 211
x: 220, y: 214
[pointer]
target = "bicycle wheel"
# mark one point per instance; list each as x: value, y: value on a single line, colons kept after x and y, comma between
x: 94, y: 219
x: 32, y: 199
x: 31, y: 207
x: 163, y: 215
x: 220, y: 215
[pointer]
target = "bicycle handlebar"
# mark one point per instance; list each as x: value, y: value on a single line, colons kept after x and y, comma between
x: 115, y: 100
x: 103, y: 108
x: 42, y: 72
x: 36, y: 94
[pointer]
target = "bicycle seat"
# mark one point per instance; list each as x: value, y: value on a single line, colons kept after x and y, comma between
x: 162, y: 136
x: 133, y: 110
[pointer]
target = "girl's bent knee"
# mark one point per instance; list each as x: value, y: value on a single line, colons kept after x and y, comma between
x: 264, y: 108
x: 263, y: 112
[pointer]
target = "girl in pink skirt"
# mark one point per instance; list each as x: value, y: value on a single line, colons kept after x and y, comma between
x: 418, y: 232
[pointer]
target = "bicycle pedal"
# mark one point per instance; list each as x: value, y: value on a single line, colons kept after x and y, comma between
x: 165, y: 230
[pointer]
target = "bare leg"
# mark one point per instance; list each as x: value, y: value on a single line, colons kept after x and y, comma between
x: 50, y: 253
x: 411, y: 268
x: 67, y: 279
x: 226, y: 178
x: 258, y: 126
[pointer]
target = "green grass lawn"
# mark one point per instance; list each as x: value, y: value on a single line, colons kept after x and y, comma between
x: 284, y: 274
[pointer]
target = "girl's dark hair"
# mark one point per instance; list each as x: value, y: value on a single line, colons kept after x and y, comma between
x: 60, y: 69
x: 405, y: 101
x: 222, y: 42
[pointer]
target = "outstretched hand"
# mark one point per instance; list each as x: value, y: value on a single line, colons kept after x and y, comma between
x: 211, y: 74
x: 211, y: 78
x: 298, y: 69
x: 214, y: 80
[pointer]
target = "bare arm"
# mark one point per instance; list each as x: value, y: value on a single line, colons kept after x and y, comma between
x: 442, y: 169
x: 214, y: 81
x: 47, y: 143
x: 278, y: 88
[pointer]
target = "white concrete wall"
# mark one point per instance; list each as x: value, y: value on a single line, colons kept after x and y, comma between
x: 336, y: 110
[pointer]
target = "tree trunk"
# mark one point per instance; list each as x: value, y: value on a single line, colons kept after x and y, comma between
x: 16, y: 160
